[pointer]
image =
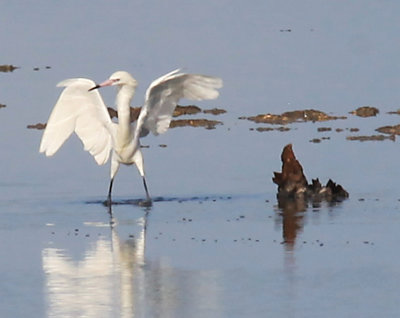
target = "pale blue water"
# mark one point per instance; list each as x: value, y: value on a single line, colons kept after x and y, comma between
x: 213, y: 247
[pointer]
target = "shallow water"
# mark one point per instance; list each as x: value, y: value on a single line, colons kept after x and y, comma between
x: 215, y: 243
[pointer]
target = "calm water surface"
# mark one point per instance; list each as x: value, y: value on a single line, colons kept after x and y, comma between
x: 217, y: 244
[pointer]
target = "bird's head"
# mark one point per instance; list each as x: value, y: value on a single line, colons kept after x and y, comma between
x: 120, y: 78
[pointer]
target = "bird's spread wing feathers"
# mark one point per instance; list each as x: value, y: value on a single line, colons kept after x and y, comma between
x: 164, y: 93
x: 83, y: 112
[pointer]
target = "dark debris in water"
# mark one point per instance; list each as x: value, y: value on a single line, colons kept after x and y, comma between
x: 365, y: 111
x: 38, y: 126
x: 7, y: 68
x: 293, y: 116
x: 319, y: 140
x: 372, y: 138
x: 323, y: 129
x: 391, y: 130
x: 206, y: 123
x: 319, y: 116
x: 262, y: 129
x: 282, y: 120
x: 354, y: 129
x: 214, y: 111
x: 179, y: 111
x: 396, y: 112
x: 36, y: 68
x: 186, y: 110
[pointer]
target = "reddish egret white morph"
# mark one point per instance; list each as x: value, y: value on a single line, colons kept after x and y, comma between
x: 81, y: 109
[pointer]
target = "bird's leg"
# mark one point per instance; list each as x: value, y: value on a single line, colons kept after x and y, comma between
x: 138, y: 159
x: 109, y: 202
x: 145, y: 188
x: 148, y: 199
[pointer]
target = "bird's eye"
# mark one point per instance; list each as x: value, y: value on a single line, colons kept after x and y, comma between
x: 116, y: 80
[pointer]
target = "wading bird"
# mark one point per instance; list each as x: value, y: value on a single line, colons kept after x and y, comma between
x: 80, y: 109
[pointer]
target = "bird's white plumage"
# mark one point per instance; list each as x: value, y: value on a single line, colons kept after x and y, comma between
x: 84, y: 112
x: 164, y: 93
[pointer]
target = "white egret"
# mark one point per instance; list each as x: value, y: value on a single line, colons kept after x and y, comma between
x: 80, y: 109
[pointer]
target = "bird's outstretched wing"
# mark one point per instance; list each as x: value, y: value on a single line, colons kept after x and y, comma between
x: 163, y: 95
x: 83, y: 112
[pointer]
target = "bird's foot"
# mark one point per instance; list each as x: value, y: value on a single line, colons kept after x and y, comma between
x: 146, y: 203
x: 108, y: 202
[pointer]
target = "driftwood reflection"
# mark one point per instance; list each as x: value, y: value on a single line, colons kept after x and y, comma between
x: 291, y: 215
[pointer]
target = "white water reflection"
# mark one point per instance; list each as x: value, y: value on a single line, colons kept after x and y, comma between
x: 113, y: 279
x: 106, y: 281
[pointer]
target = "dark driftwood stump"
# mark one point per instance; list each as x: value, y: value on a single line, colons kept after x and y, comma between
x: 293, y: 183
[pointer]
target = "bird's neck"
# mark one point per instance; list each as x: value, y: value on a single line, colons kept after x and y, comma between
x: 124, y: 97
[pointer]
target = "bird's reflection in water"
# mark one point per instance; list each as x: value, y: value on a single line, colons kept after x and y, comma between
x: 113, y: 278
x: 106, y: 281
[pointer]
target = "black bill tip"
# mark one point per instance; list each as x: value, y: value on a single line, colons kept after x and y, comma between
x: 95, y: 87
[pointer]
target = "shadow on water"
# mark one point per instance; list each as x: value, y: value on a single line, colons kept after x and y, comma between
x: 141, y: 202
